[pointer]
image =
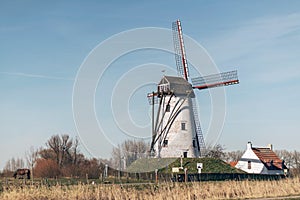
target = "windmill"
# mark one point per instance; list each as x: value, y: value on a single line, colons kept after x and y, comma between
x: 176, y: 130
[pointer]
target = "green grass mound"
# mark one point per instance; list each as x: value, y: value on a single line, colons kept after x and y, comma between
x: 150, y: 164
x: 165, y: 165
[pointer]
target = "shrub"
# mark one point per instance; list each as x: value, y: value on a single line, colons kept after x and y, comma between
x: 46, y: 168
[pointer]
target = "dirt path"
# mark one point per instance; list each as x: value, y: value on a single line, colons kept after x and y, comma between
x: 278, y: 198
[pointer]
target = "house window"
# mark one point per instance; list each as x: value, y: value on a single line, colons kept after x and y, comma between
x: 249, y: 164
x: 183, y: 126
x: 165, y: 143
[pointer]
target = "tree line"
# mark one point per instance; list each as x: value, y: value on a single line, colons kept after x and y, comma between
x: 61, y: 157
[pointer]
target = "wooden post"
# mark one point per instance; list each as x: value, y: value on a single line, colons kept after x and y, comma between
x: 32, y: 173
x: 185, y: 175
x: 181, y: 162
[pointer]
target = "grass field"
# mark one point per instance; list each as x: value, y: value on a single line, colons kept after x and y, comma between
x: 196, y: 190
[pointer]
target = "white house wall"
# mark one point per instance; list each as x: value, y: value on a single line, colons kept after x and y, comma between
x: 257, y: 167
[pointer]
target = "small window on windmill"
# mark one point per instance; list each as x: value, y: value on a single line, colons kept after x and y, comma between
x: 168, y: 108
x: 183, y: 126
x: 194, y: 143
x: 165, y: 143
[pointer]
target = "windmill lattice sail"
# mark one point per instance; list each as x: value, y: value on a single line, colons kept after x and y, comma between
x: 216, y: 80
x: 201, y: 144
x: 180, y: 57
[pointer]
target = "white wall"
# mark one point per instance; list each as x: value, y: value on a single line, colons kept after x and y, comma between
x: 257, y: 166
x: 179, y: 141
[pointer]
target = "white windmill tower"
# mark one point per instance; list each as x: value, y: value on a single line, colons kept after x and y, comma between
x: 176, y: 130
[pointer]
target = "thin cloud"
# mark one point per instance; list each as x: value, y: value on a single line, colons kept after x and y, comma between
x: 36, y: 76
x: 251, y: 36
x: 265, y: 48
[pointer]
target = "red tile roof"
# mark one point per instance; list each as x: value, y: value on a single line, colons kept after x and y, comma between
x: 269, y: 158
x: 233, y: 163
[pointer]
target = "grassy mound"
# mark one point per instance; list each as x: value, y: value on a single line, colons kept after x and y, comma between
x: 165, y: 165
x: 150, y: 164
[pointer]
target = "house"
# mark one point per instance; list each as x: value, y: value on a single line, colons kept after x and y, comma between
x: 261, y: 160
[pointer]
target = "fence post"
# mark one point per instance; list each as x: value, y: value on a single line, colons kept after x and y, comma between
x: 185, y: 175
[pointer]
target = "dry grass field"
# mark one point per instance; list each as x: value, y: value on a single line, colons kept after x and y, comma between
x: 196, y: 190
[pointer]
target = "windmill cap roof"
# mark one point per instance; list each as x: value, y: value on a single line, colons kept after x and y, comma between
x: 174, y: 79
x: 178, y: 85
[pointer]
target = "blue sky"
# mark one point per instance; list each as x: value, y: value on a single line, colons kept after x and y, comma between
x: 43, y: 44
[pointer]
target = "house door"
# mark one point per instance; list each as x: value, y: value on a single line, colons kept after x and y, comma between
x: 185, y: 154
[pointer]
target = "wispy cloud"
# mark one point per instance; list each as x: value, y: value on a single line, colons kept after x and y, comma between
x: 265, y: 49
x: 36, y: 76
x: 253, y: 35
x: 279, y: 75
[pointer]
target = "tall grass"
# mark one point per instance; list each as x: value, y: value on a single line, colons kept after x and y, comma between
x: 196, y: 190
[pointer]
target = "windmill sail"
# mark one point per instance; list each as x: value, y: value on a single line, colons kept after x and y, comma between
x: 199, y: 134
x: 215, y: 80
x: 180, y: 57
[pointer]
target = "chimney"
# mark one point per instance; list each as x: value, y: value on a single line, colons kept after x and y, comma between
x: 270, y: 146
x: 249, y: 145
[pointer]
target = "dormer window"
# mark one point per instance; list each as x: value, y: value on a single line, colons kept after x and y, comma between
x: 164, y: 88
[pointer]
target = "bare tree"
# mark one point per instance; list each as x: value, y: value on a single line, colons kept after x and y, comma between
x: 291, y: 160
x: 129, y: 151
x: 287, y: 156
x: 75, y: 150
x: 31, y: 157
x: 296, y: 162
x: 233, y: 156
x: 61, y: 146
x: 55, y: 144
x: 116, y: 157
x: 47, y: 153
x: 66, y: 144
x: 7, y: 167
x: 13, y: 164
x: 216, y: 151
x: 20, y: 163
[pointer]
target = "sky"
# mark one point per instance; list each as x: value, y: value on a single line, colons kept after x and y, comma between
x: 43, y: 45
